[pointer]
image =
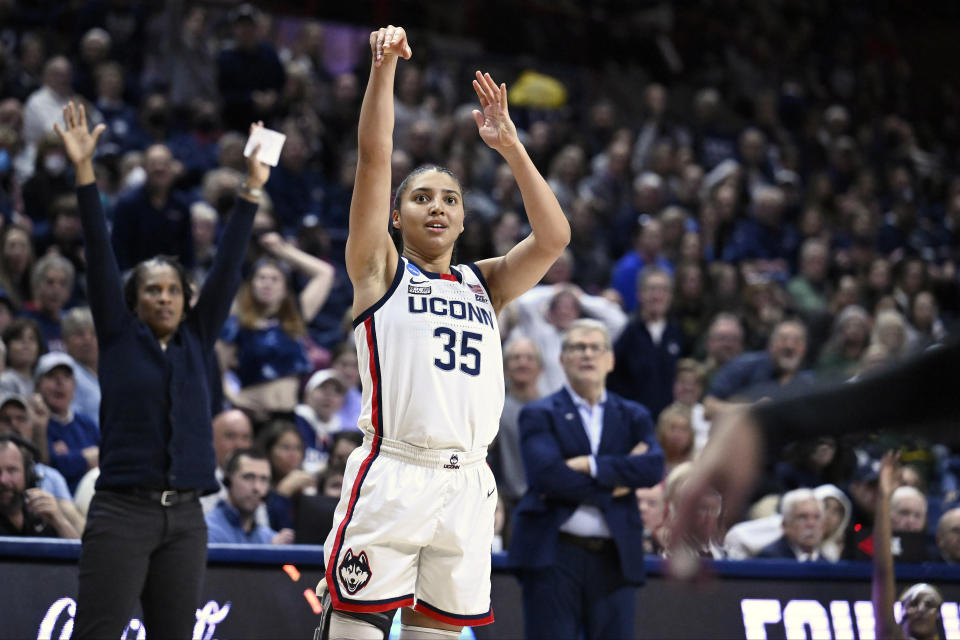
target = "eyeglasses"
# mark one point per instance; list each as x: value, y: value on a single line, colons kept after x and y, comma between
x: 584, y: 347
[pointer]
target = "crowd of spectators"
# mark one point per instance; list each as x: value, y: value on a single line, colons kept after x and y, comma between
x: 765, y: 200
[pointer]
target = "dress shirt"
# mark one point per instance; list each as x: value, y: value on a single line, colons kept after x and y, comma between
x: 588, y: 520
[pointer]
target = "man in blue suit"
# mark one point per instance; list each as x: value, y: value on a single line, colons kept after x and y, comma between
x: 577, y: 536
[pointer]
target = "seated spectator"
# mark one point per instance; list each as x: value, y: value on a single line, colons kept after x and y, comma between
x: 232, y: 430
x: 908, y: 522
x: 247, y: 478
x: 26, y: 509
x: 908, y: 510
x: 203, y: 225
x: 343, y: 359
x: 810, y: 290
x: 154, y: 218
x: 802, y: 528
x: 49, y: 181
x: 890, y: 330
x: 836, y: 517
x: 318, y: 416
x: 282, y: 444
x: 647, y: 351
x: 343, y: 445
x: 653, y: 512
x: 16, y: 264
x: 295, y: 187
x: 769, y: 373
x: 120, y: 118
x: 948, y: 536
x: 764, y: 243
x: 688, y: 390
x: 647, y: 252
x: 265, y: 341
x: 862, y: 490
x: 692, y: 304
x: 24, y: 348
x: 20, y: 425
x: 521, y: 367
x: 80, y: 343
x: 52, y: 281
x: 925, y: 322
x: 28, y: 419
x: 45, y: 105
x: 848, y: 341
x: 675, y: 435
x: 706, y: 541
x: 814, y: 462
x: 249, y: 74
x: 73, y: 438
x: 330, y: 482
x: 724, y: 343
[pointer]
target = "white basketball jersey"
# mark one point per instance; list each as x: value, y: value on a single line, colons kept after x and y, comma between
x: 430, y: 360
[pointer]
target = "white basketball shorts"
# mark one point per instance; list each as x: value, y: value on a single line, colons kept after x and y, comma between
x: 413, y: 529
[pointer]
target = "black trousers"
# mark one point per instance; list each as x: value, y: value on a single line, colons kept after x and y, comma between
x: 135, y: 548
x: 582, y: 596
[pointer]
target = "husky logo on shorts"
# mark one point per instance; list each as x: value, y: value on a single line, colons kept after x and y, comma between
x: 354, y: 571
x: 454, y: 463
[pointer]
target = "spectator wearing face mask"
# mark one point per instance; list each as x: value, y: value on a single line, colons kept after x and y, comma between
x: 50, y: 180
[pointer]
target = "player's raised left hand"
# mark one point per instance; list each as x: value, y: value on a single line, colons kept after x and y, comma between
x: 493, y: 122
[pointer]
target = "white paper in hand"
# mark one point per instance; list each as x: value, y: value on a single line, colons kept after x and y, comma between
x: 270, y: 141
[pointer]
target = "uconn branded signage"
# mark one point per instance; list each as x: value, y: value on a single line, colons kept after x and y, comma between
x: 58, y: 622
x: 838, y: 619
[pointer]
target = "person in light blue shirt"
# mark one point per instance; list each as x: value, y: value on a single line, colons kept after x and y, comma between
x: 247, y: 479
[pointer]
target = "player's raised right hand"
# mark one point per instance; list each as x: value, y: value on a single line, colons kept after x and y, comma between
x: 387, y: 42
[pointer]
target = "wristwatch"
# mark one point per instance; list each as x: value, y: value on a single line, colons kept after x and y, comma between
x: 251, y: 193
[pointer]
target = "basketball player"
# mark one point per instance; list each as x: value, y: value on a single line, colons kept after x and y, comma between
x: 921, y: 602
x: 415, y: 522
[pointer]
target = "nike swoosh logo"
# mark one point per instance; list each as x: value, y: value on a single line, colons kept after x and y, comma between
x: 412, y: 281
x: 490, y: 493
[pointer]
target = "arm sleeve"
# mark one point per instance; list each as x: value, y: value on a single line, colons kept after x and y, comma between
x: 547, y: 470
x: 106, y: 298
x: 224, y: 278
x: 919, y: 396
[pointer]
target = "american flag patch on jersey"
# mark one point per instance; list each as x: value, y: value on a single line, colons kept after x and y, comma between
x: 478, y: 292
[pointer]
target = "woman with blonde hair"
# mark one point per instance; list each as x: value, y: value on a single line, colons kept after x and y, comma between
x: 263, y: 341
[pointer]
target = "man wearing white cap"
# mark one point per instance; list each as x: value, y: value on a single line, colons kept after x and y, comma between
x: 74, y: 438
x: 317, y: 418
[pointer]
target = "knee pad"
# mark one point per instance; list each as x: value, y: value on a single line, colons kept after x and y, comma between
x: 410, y: 632
x: 347, y: 624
